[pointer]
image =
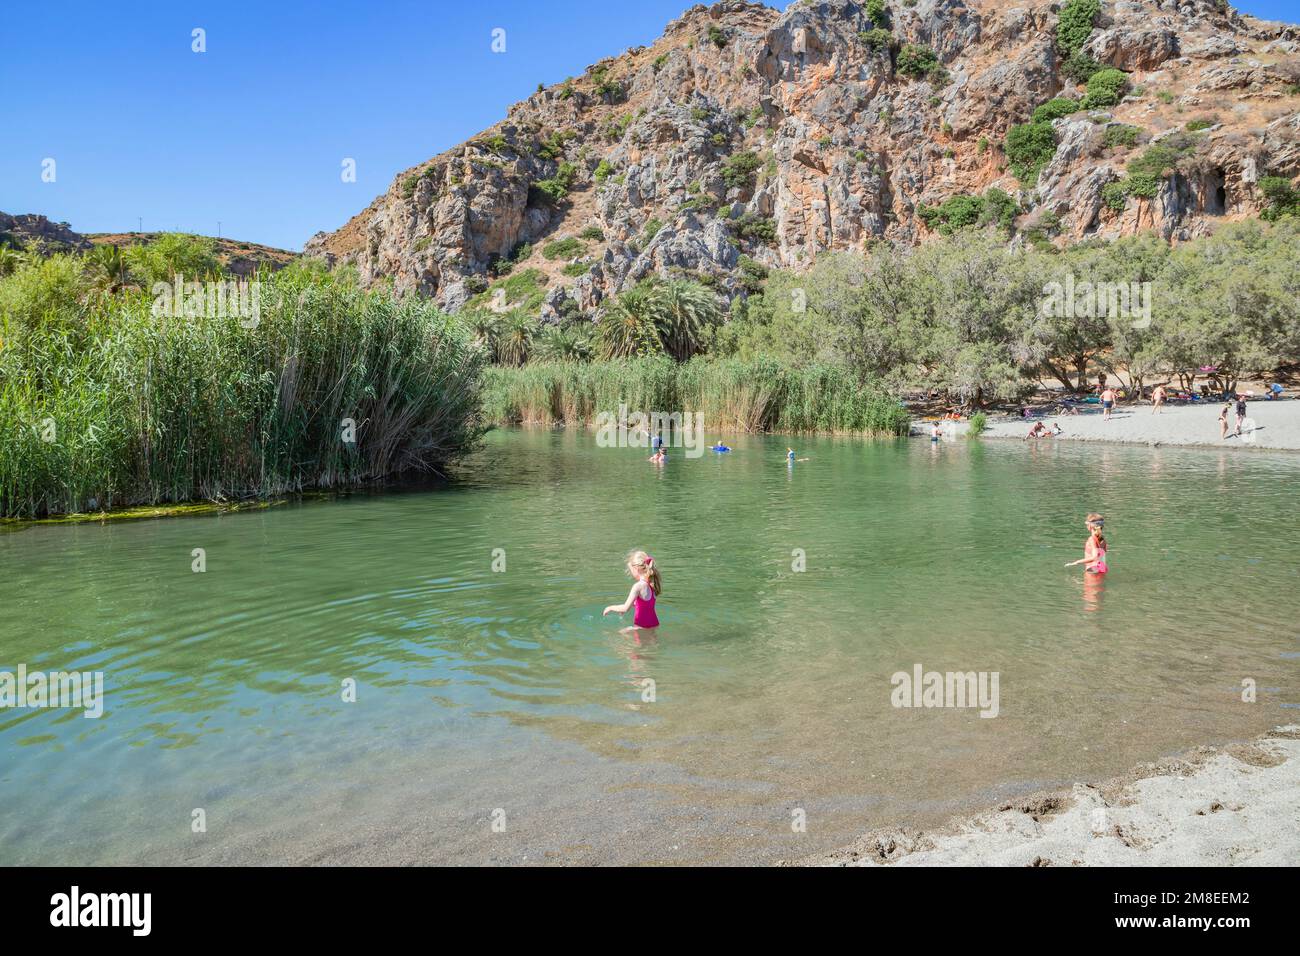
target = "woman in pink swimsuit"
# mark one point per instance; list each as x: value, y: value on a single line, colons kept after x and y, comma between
x: 646, y: 586
x: 1094, y: 549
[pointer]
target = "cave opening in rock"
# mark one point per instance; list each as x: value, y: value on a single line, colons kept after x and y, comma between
x: 1216, y: 193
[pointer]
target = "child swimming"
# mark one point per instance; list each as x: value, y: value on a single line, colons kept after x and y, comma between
x: 659, y: 457
x: 720, y: 448
x: 646, y: 586
x: 1094, y: 549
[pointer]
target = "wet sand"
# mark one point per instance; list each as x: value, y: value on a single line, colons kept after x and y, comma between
x: 1270, y: 425
x: 1237, y: 805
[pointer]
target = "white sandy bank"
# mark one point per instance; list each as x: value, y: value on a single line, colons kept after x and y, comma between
x: 1270, y: 425
x: 1235, y: 806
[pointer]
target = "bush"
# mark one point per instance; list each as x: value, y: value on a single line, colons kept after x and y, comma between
x: 1080, y: 67
x: 716, y: 36
x: 553, y: 146
x: 1163, y: 157
x: 1196, y: 125
x: 565, y: 248
x: 756, y: 228
x: 919, y: 62
x: 1283, y: 198
x: 1075, y: 24
x: 172, y: 253
x: 1029, y: 147
x: 603, y: 171
x: 607, y: 89
x: 593, y: 234
x: 961, y: 211
x: 1055, y: 109
x: 738, y: 169
x: 1105, y: 88
x: 876, y: 39
x: 1118, y: 134
x: 556, y: 188
x: 978, y: 424
x: 877, y: 13
x: 1115, y: 195
x: 575, y: 269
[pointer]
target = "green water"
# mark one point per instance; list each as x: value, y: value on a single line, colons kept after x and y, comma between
x: 482, y: 691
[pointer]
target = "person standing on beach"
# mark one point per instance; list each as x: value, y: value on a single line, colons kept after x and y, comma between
x: 1157, y: 399
x: 1107, y: 403
x: 1223, y: 421
x: 1241, y: 412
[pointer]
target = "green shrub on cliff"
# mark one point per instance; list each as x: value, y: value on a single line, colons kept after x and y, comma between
x: 1075, y: 24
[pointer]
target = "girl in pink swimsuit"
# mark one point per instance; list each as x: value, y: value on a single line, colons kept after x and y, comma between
x: 646, y: 586
x: 1094, y: 549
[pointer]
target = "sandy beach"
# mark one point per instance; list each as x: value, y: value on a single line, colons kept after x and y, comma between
x: 1269, y: 425
x: 1237, y: 805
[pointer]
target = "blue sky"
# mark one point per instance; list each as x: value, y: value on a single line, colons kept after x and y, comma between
x: 252, y: 132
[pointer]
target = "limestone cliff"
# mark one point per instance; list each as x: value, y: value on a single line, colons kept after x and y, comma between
x: 779, y: 136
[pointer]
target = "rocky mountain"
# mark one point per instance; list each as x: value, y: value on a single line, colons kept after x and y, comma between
x: 744, y: 131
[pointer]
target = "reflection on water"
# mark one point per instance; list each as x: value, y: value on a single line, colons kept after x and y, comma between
x: 767, y: 687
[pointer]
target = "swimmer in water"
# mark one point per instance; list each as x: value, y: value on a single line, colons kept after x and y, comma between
x: 1094, y: 549
x: 659, y: 457
x: 719, y: 447
x: 646, y: 586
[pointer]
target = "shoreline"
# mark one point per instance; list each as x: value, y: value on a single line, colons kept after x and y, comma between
x: 1270, y: 426
x: 1211, y: 806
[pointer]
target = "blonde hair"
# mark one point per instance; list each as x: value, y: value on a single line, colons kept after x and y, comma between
x: 640, y: 564
x: 1097, y: 522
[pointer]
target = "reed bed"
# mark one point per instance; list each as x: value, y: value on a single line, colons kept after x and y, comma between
x: 731, y: 395
x: 105, y: 405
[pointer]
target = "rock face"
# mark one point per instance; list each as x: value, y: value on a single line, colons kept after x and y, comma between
x: 781, y: 136
x: 30, y: 229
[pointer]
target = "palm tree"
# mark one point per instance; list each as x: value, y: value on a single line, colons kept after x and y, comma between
x: 516, y: 339
x: 684, y: 311
x: 628, y: 328
x: 559, y: 344
x: 485, y: 327
x: 108, y: 269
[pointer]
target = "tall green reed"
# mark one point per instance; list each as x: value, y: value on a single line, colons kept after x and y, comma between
x: 148, y: 409
x: 732, y: 395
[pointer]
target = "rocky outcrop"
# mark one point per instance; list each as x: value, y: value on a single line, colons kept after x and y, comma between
x: 744, y: 131
x: 30, y: 230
